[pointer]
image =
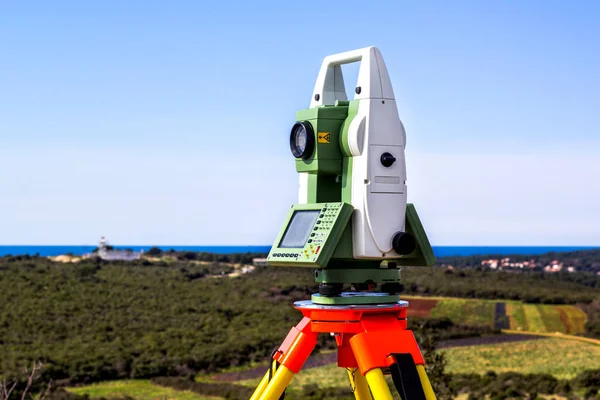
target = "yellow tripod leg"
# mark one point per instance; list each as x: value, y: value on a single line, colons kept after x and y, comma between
x: 378, y: 385
x: 359, y: 384
x: 261, y: 387
x: 277, y: 385
x: 429, y: 395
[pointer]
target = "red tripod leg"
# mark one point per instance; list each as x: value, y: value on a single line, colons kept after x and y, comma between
x: 297, y: 346
x: 386, y: 344
x: 291, y: 356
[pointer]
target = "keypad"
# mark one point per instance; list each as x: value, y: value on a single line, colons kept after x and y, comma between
x: 317, y: 238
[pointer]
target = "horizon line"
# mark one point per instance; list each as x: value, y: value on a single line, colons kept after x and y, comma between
x: 270, y: 245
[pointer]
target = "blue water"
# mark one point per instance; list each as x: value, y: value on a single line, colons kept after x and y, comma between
x: 440, y: 251
x: 446, y: 251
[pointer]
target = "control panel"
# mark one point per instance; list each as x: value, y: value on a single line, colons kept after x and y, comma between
x: 310, y: 235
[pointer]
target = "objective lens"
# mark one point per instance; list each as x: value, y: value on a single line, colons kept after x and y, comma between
x: 302, y: 140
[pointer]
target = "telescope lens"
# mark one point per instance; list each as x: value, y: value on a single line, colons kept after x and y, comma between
x: 302, y: 140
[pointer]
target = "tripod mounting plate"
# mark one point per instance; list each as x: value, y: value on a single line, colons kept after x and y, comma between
x: 355, y: 298
x: 309, y: 304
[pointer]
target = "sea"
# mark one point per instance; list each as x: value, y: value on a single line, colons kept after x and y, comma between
x: 439, y: 251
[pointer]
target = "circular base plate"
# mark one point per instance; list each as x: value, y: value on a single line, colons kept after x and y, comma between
x: 347, y: 298
x: 308, y: 304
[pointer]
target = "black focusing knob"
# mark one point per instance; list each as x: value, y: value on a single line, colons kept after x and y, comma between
x: 404, y: 243
x: 330, y: 289
x: 387, y: 159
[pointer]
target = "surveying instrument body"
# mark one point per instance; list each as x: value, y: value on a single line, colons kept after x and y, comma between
x: 353, y: 225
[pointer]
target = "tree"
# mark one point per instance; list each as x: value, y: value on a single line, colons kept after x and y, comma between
x: 154, y: 251
x: 8, y: 388
x: 435, y: 364
x: 107, y: 247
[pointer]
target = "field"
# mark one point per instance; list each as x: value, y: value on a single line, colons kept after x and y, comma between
x: 536, y: 356
x: 561, y: 358
x: 471, y: 312
x: 543, y: 318
x: 124, y: 323
x: 139, y: 389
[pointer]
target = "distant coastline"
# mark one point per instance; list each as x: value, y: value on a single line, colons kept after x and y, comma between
x: 440, y: 251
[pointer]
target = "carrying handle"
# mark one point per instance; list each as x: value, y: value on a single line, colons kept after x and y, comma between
x: 373, y: 79
x: 347, y: 57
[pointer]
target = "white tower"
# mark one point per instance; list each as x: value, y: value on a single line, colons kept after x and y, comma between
x: 103, y: 246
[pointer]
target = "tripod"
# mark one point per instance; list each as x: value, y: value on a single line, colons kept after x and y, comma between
x: 372, y: 341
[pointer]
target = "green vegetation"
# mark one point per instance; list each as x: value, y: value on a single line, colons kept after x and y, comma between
x: 551, y: 318
x: 561, y: 358
x: 229, y: 390
x: 543, y: 366
x: 573, y: 317
x: 137, y: 389
x: 592, y: 325
x: 96, y: 321
x: 470, y: 312
x: 324, y: 377
x: 513, y: 385
x: 177, y: 315
x: 533, y: 318
x: 586, y: 262
x: 154, y: 251
x: 546, y: 318
x: 516, y: 316
x: 93, y: 322
x: 541, y: 318
x: 536, y: 288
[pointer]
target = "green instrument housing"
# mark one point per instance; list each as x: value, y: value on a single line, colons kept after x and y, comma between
x: 324, y: 240
x: 326, y: 122
x: 325, y: 166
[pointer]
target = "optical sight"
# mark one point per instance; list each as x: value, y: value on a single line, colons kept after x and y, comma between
x: 352, y: 221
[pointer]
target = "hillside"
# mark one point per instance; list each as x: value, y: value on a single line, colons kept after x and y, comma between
x: 583, y: 261
x: 534, y: 287
x: 95, y: 321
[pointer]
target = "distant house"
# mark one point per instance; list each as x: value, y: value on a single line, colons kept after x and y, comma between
x: 105, y: 253
x: 259, y: 262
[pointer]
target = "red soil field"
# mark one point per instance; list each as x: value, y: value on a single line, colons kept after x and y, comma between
x: 420, y: 307
x: 565, y: 320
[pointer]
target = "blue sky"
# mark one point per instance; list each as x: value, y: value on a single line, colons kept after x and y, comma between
x: 167, y: 122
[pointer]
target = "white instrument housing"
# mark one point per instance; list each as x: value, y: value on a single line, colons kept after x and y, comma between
x: 378, y: 192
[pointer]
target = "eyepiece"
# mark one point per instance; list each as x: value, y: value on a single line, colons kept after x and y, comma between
x: 302, y: 140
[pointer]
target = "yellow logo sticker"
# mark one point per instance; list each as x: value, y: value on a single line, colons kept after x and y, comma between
x: 323, y: 137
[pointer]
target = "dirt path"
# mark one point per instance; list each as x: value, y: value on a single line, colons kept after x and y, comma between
x: 552, y: 335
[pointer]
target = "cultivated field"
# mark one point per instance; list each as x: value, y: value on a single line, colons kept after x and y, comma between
x: 543, y: 318
x: 559, y: 357
x: 139, y: 389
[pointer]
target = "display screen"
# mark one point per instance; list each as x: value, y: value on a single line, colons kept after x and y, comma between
x: 299, y: 228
